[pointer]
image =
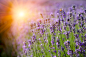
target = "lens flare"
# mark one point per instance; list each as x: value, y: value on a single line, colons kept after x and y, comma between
x: 19, y: 13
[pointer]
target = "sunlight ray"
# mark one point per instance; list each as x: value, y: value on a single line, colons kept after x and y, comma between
x: 4, y: 5
x: 5, y: 27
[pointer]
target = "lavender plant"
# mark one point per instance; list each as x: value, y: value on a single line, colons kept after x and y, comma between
x: 60, y: 36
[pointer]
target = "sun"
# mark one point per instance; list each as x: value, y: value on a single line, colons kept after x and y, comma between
x: 19, y: 12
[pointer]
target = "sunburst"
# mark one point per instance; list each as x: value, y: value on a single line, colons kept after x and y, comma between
x: 12, y: 11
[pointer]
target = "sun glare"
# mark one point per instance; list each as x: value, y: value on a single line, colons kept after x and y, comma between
x: 17, y: 13
x: 21, y: 14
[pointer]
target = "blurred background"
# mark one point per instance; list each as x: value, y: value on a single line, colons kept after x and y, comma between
x: 10, y: 30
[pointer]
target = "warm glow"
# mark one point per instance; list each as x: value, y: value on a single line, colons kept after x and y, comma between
x: 23, y: 11
x: 19, y: 13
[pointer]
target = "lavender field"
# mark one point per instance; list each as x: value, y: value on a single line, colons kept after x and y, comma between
x: 57, y: 30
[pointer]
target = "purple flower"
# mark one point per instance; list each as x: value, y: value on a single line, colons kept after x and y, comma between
x: 84, y: 29
x: 51, y: 28
x: 76, y: 35
x: 70, y: 28
x: 59, y: 53
x: 76, y: 46
x: 74, y: 30
x: 67, y: 34
x: 54, y: 56
x: 78, y: 31
x: 67, y: 43
x: 29, y: 41
x: 85, y: 40
x: 85, y: 11
x: 71, y: 9
x: 54, y: 51
x: 66, y: 23
x: 78, y: 18
x: 54, y: 34
x: 63, y: 39
x: 82, y: 24
x: 42, y: 31
x: 52, y: 42
x: 58, y: 43
x: 85, y: 36
x: 74, y: 24
x: 62, y: 48
x: 74, y: 7
x: 38, y: 24
x: 70, y: 52
x: 64, y: 27
x: 83, y: 44
x: 33, y: 37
